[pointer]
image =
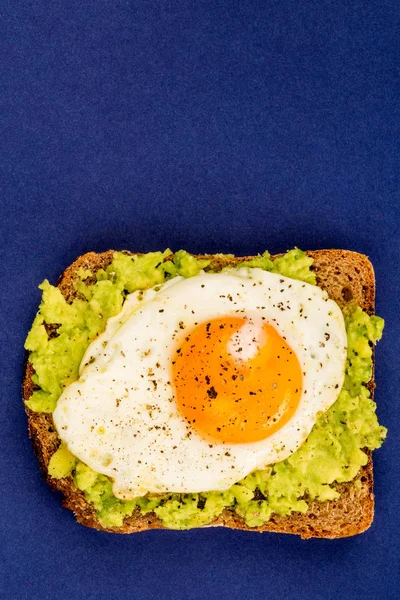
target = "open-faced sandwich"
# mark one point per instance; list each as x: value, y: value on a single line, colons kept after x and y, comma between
x: 176, y: 391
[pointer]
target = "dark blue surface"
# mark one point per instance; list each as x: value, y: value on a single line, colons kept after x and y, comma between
x: 215, y: 126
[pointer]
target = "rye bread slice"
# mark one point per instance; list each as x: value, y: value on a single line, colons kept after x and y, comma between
x: 346, y: 276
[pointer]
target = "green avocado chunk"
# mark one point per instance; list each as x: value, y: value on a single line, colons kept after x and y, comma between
x: 332, y: 453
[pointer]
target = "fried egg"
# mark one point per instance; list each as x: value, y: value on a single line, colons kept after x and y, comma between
x: 198, y: 382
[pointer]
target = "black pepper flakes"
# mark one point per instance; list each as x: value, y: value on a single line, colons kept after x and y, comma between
x: 212, y: 393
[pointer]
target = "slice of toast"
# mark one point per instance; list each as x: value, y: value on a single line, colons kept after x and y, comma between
x: 346, y: 276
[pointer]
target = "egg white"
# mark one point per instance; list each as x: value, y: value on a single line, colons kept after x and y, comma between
x: 120, y: 417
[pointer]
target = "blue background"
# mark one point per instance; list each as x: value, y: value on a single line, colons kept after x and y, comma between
x: 228, y: 126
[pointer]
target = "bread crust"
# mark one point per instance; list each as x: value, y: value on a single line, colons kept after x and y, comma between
x: 346, y: 276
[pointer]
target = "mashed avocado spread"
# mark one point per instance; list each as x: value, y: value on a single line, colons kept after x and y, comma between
x: 332, y: 453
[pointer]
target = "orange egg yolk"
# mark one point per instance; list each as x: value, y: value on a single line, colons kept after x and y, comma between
x: 229, y: 399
